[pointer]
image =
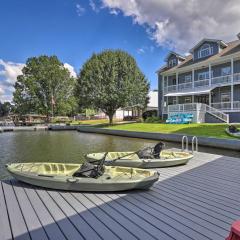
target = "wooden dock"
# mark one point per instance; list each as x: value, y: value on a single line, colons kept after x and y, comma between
x: 198, y: 201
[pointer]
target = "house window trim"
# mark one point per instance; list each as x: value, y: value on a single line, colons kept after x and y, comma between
x: 226, y: 94
x: 205, y: 51
x: 188, y: 78
x: 228, y: 73
x: 172, y: 62
x: 206, y: 75
x: 189, y: 98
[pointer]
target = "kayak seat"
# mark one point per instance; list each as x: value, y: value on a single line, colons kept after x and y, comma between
x: 233, y: 129
x: 88, y: 170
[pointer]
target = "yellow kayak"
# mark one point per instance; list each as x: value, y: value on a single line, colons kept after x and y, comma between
x: 72, y: 177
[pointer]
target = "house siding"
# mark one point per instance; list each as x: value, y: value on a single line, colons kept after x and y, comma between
x: 236, y: 66
x: 214, y: 45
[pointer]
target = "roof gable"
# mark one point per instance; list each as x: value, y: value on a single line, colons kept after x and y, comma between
x: 175, y: 54
x: 222, y: 43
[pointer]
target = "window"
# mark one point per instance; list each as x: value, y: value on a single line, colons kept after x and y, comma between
x: 204, y: 75
x: 172, y: 62
x: 226, y: 97
x: 226, y: 71
x: 205, y: 50
x: 188, y: 78
x: 174, y: 100
x: 188, y: 100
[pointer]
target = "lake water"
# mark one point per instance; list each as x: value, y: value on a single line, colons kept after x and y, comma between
x: 69, y: 146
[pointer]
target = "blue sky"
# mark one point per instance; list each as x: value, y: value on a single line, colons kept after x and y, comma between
x: 31, y: 28
x: 75, y: 29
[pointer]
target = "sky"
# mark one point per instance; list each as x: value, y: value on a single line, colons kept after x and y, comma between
x: 75, y: 29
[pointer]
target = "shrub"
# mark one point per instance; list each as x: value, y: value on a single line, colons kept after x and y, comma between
x: 153, y: 120
x: 150, y: 113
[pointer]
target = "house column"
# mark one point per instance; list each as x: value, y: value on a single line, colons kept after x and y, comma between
x: 210, y: 74
x: 193, y: 73
x: 210, y: 98
x: 232, y: 90
x: 177, y: 81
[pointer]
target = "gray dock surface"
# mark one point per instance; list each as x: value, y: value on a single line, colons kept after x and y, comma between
x: 196, y: 201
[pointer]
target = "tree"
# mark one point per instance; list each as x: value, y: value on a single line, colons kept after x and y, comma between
x: 5, y: 109
x: 45, y: 87
x: 109, y: 81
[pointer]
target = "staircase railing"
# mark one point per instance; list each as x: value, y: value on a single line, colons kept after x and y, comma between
x: 217, y: 113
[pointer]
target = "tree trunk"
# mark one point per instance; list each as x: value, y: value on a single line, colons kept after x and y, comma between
x: 110, y: 116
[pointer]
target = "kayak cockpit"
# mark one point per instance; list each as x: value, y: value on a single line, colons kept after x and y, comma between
x: 48, y: 169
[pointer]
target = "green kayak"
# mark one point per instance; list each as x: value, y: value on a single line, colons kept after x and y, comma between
x: 131, y: 159
x: 62, y: 176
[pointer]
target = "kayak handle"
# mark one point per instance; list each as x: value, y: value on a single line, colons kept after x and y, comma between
x: 71, y: 180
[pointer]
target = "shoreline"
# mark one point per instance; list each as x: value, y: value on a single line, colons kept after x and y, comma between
x: 230, y: 144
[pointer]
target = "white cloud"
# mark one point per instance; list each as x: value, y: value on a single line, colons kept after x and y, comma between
x: 80, y: 10
x: 140, y: 51
x: 70, y: 69
x: 180, y: 24
x: 94, y: 6
x: 8, y: 73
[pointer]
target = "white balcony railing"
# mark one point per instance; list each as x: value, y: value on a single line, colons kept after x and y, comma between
x: 226, y: 105
x: 236, y: 105
x: 221, y: 80
x: 201, y: 83
x: 183, y: 86
x: 222, y: 105
x: 205, y: 82
x: 236, y: 77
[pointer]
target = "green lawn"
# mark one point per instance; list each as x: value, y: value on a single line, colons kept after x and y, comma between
x: 92, y: 122
x: 204, y: 129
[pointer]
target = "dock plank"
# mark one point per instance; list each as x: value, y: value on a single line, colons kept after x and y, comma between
x: 17, y: 221
x: 34, y: 226
x: 76, y: 219
x: 5, y: 233
x: 51, y: 227
x: 66, y: 226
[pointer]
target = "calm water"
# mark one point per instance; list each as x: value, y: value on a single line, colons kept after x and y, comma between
x: 68, y: 146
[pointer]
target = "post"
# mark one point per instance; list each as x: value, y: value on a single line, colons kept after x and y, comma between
x: 176, y: 80
x: 193, y: 74
x: 210, y: 99
x: 232, y: 90
x: 210, y: 74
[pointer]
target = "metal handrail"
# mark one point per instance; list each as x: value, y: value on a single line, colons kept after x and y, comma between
x: 183, y: 143
x: 194, y: 147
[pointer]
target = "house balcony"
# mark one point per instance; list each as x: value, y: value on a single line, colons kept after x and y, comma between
x: 215, y: 81
x: 227, y: 106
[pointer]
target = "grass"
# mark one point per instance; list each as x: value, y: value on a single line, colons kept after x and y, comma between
x: 92, y: 122
x: 203, y: 129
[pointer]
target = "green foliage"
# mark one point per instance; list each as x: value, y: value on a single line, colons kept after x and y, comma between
x: 111, y: 80
x: 45, y: 83
x: 149, y: 113
x: 153, y: 119
x: 5, y: 109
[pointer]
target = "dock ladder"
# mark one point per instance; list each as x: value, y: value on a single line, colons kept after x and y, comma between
x: 185, y: 144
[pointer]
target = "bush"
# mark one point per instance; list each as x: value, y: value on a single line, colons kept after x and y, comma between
x: 154, y: 119
x: 130, y: 118
x: 150, y: 113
